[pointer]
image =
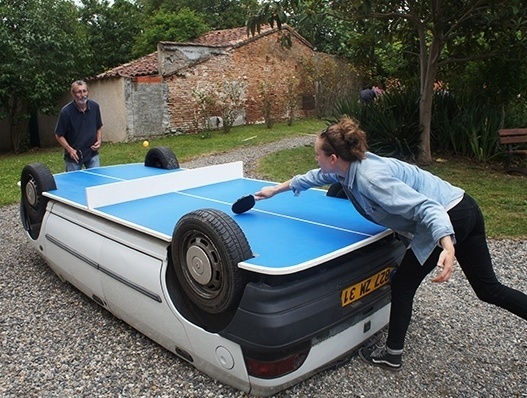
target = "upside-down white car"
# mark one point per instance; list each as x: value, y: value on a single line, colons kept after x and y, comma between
x: 259, y: 300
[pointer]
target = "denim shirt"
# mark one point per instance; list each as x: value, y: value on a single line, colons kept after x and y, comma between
x: 397, y: 195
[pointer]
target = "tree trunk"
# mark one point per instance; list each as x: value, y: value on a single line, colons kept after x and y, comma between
x: 424, y: 156
x: 429, y: 64
x: 18, y: 121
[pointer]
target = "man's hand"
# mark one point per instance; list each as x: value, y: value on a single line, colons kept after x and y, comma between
x: 74, y: 155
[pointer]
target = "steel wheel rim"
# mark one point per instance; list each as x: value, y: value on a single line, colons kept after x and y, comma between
x: 203, y: 266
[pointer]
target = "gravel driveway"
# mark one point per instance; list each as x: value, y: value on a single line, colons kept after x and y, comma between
x: 55, y: 342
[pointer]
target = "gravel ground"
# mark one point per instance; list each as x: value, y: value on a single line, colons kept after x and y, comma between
x: 55, y: 342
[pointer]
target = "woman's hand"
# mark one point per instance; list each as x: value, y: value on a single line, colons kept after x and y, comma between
x: 265, y: 193
x: 272, y: 190
x: 446, y: 260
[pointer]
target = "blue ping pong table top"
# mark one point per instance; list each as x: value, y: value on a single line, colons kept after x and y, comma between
x: 286, y: 233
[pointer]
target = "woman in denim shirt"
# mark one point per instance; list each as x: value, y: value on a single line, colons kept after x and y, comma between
x: 440, y: 222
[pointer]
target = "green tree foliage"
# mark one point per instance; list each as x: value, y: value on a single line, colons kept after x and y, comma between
x: 218, y: 14
x: 110, y: 29
x: 43, y: 50
x: 432, y: 33
x: 182, y: 26
x: 439, y: 33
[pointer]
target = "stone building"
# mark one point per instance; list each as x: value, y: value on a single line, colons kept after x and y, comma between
x: 158, y: 91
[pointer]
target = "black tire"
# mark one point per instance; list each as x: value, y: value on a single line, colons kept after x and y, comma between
x: 161, y: 157
x: 336, y: 191
x: 36, y: 179
x: 207, y: 246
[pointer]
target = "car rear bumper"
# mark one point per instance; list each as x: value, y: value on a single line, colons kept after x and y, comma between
x: 276, y: 314
x: 334, y: 350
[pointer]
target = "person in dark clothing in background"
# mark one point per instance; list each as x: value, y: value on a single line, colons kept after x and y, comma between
x: 367, y: 95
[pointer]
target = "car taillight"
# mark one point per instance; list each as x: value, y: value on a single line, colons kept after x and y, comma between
x: 272, y: 368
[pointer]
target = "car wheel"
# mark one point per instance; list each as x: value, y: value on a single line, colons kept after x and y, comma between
x: 161, y: 157
x: 207, y: 246
x: 336, y: 191
x: 36, y: 178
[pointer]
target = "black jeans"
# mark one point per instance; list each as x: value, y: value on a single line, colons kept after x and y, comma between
x: 472, y: 255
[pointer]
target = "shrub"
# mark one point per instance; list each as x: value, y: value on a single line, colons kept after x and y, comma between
x: 391, y: 122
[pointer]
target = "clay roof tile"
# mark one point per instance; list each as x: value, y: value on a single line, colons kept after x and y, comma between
x: 147, y: 65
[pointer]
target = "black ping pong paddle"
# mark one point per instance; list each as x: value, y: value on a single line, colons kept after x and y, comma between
x: 243, y: 204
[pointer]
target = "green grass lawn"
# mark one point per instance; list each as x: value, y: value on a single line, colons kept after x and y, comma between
x: 186, y: 147
x: 503, y: 198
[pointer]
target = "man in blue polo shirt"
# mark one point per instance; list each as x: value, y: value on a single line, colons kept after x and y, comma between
x: 79, y: 129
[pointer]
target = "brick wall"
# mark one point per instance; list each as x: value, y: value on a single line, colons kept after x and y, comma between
x: 261, y: 60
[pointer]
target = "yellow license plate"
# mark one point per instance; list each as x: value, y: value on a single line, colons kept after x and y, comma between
x: 365, y: 287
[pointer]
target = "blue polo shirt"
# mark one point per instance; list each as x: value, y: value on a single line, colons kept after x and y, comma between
x: 80, y: 128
